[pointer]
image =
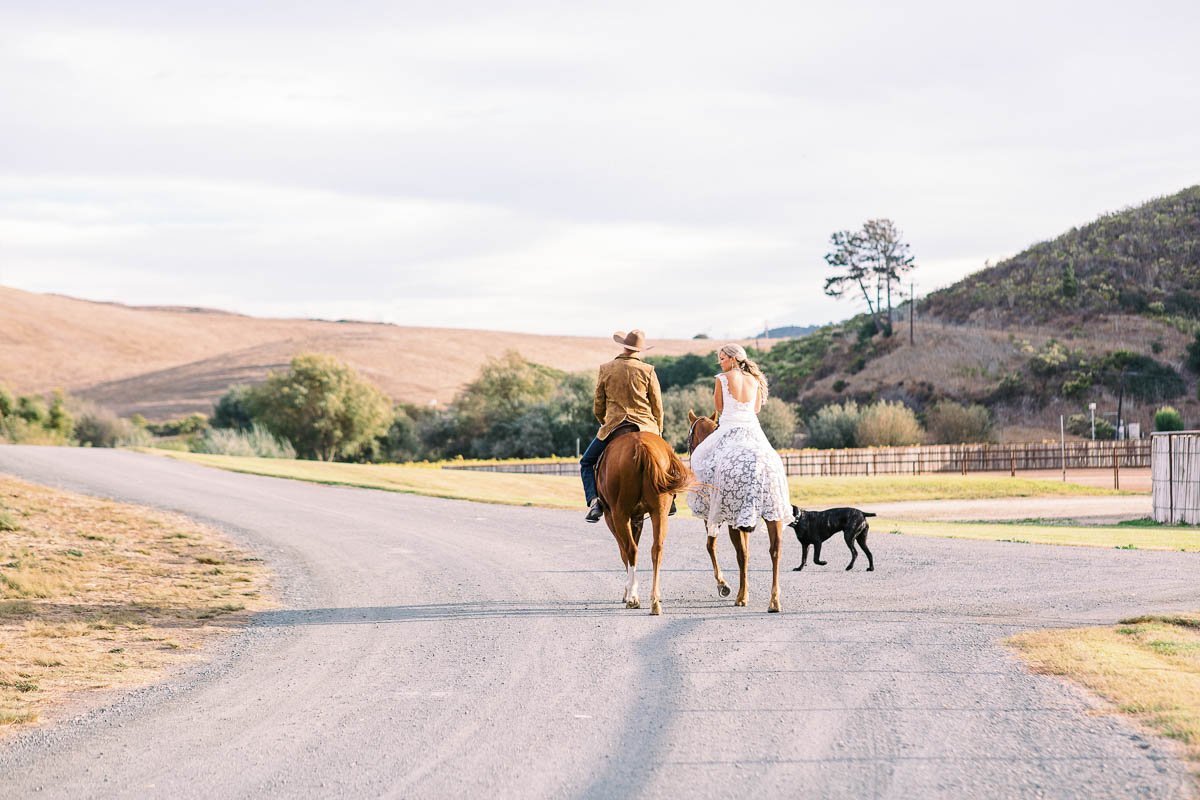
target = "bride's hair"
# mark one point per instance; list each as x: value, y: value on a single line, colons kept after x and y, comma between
x: 746, y: 365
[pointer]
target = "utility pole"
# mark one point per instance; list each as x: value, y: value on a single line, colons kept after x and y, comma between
x: 912, y: 305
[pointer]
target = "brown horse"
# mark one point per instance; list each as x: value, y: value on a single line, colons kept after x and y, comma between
x: 702, y: 428
x: 637, y: 477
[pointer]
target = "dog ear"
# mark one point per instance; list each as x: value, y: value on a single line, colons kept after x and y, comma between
x: 795, y: 511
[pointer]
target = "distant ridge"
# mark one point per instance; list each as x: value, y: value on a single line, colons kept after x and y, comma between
x: 167, y: 361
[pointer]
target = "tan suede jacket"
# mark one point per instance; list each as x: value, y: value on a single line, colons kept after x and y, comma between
x: 628, y: 390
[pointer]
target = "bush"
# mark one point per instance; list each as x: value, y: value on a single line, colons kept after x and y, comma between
x: 834, y: 426
x: 1168, y: 419
x: 683, y: 371
x: 948, y: 422
x: 99, y: 427
x: 256, y: 442
x: 322, y: 407
x: 7, y: 403
x: 778, y: 420
x: 235, y: 409
x: 888, y: 424
x: 1193, y: 354
x: 1081, y: 425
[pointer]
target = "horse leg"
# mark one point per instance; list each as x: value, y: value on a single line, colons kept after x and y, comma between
x: 623, y: 531
x: 722, y: 587
x: 774, y: 529
x: 658, y: 519
x: 739, y: 547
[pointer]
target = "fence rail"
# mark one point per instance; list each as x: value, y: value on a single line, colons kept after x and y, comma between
x: 920, y: 459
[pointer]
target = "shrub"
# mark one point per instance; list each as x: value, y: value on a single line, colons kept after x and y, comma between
x: 839, y: 385
x: 888, y: 424
x: 322, y: 407
x: 683, y: 371
x: 834, y: 426
x: 58, y: 418
x: 235, y: 409
x: 1168, y: 419
x: 7, y: 404
x: 257, y: 442
x: 778, y: 420
x: 31, y: 409
x: 1081, y: 425
x: 99, y: 427
x: 948, y: 422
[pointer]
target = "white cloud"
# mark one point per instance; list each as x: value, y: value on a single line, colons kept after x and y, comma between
x: 555, y: 168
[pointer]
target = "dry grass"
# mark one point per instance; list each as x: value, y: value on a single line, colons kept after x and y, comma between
x: 167, y: 362
x: 101, y: 595
x: 1148, y: 668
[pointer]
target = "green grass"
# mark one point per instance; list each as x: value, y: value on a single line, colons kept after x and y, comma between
x: 1108, y: 536
x: 564, y: 491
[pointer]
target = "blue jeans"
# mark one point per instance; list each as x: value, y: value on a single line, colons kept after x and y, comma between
x: 587, y: 467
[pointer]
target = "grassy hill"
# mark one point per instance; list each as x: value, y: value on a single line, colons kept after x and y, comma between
x: 1104, y: 313
x: 1143, y: 260
x: 167, y: 362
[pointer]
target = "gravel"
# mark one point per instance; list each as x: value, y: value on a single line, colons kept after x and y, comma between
x: 431, y: 648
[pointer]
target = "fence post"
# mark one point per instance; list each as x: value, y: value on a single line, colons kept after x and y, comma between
x: 1012, y: 464
x: 1116, y: 469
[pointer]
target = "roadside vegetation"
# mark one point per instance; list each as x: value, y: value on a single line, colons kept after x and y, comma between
x: 1120, y: 536
x: 1147, y: 667
x: 101, y: 595
x: 563, y: 491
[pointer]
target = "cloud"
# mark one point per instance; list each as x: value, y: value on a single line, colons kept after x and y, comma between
x: 552, y: 168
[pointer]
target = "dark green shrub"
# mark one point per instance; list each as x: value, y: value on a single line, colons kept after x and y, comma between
x: 7, y: 404
x: 235, y: 409
x: 1081, y: 425
x: 839, y: 385
x: 683, y: 370
x: 31, y: 409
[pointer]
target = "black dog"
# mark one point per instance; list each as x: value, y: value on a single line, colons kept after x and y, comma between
x: 814, y: 527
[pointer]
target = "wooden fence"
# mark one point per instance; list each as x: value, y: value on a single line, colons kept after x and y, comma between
x: 920, y: 459
x: 1175, y: 477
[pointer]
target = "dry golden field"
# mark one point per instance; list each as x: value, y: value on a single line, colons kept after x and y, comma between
x: 97, y: 595
x: 167, y: 362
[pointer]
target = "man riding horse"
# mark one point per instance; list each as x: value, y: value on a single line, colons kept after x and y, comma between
x: 628, y: 398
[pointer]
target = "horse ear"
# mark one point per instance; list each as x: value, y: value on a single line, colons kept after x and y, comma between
x: 692, y: 416
x: 713, y: 416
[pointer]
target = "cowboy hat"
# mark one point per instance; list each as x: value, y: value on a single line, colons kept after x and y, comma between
x: 635, y: 340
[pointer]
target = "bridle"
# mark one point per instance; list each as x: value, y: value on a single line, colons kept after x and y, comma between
x: 692, y: 431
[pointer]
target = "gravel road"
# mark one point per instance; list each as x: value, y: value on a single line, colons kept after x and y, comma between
x: 433, y: 648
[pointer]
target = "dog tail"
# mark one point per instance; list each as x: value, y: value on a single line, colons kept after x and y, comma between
x: 869, y: 514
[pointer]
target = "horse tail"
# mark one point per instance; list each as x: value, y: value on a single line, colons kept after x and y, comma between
x: 664, y: 470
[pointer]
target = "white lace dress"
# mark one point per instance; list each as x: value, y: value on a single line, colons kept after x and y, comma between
x: 739, y: 476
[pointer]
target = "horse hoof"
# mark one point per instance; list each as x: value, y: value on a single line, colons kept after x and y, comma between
x: 773, y: 608
x: 655, y: 608
x: 634, y: 603
x: 741, y: 603
x: 723, y: 590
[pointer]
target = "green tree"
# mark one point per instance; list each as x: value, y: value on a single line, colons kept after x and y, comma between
x: 888, y: 258
x: 677, y: 402
x: 322, y: 407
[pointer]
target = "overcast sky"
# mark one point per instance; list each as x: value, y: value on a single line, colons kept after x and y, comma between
x: 567, y: 167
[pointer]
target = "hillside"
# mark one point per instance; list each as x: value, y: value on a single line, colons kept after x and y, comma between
x: 1143, y: 260
x: 164, y: 362
x: 1104, y: 313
